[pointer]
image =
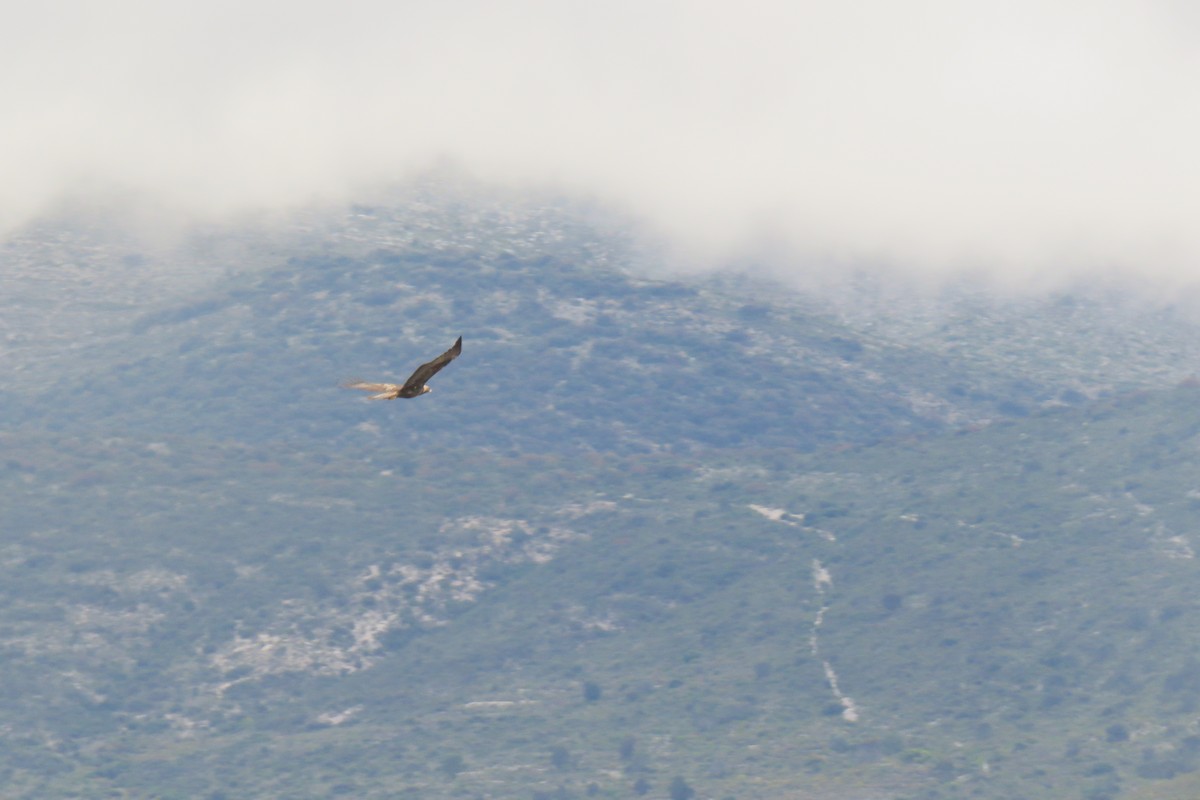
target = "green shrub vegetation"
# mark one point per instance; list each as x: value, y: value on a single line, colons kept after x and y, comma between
x: 645, y: 538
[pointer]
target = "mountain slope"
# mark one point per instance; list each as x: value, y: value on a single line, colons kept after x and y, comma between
x: 1001, y: 613
x: 641, y: 531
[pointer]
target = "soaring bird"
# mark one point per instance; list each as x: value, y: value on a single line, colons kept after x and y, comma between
x: 415, y: 385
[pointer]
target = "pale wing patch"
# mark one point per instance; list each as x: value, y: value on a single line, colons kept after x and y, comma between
x: 371, y: 387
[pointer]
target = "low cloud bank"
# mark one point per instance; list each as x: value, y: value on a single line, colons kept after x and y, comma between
x: 1028, y: 141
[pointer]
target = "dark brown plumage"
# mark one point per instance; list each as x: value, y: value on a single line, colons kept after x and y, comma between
x: 415, y: 385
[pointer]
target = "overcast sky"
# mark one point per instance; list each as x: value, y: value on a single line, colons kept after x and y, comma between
x: 1025, y: 136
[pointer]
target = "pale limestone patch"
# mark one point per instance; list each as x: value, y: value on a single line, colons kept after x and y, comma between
x: 788, y: 518
x: 822, y: 582
x: 575, y: 510
x: 606, y: 623
x: 577, y: 311
x: 1173, y: 546
x: 184, y: 726
x: 348, y: 635
x: 338, y: 717
x: 849, y: 710
x: 497, y: 704
x: 269, y: 653
x: 777, y: 514
x: 1178, y: 547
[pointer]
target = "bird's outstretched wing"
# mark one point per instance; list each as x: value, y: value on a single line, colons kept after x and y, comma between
x: 426, y: 371
x: 386, y: 391
x: 370, y: 387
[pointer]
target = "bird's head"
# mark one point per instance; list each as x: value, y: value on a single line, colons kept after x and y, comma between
x: 426, y: 389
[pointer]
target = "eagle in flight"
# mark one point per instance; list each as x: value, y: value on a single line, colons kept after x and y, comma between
x: 415, y: 385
